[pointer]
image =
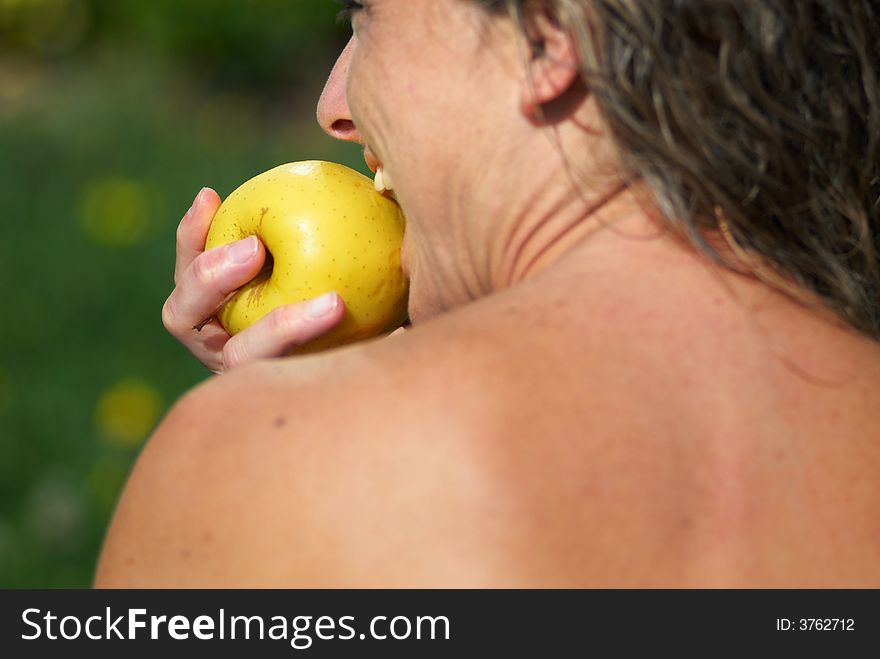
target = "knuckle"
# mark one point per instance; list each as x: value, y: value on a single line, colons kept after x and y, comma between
x: 169, y: 318
x: 185, y: 227
x: 182, y: 230
x: 231, y: 355
x: 284, y: 321
x: 204, y: 268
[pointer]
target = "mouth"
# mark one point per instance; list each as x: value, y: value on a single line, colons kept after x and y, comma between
x: 382, y: 179
x: 383, y: 183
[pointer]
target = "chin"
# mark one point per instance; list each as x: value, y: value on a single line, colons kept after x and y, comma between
x: 418, y: 311
x: 416, y: 314
x: 422, y: 310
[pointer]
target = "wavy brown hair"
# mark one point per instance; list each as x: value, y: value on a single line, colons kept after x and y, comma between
x: 759, y: 118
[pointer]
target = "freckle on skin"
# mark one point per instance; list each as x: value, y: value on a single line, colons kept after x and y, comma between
x: 185, y: 554
x: 129, y: 561
x: 280, y: 422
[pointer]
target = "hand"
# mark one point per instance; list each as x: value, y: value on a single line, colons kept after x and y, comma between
x: 204, y: 281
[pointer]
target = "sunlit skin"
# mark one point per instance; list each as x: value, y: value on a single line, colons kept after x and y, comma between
x: 582, y: 401
x: 478, y: 224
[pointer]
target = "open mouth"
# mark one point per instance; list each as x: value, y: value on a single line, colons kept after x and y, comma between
x: 382, y: 182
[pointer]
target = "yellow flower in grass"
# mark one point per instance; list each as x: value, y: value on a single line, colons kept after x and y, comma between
x: 128, y: 411
x: 116, y: 212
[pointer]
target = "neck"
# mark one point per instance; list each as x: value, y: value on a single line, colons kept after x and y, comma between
x: 547, y: 227
x: 556, y: 205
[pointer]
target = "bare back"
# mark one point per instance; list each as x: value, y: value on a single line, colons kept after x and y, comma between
x: 580, y: 429
x: 654, y: 438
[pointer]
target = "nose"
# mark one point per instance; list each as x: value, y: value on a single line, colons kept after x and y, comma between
x: 334, y: 116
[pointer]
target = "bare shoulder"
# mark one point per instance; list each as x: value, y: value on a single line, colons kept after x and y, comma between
x: 494, y: 447
x: 334, y: 470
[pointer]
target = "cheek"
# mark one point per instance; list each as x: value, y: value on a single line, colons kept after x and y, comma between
x: 353, y: 94
x: 360, y: 93
x: 370, y: 97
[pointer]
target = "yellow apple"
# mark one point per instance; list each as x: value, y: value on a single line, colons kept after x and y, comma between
x: 325, y: 229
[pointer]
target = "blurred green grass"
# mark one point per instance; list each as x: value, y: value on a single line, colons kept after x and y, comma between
x: 106, y: 135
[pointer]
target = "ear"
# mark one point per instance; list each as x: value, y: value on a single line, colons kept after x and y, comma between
x: 553, y: 67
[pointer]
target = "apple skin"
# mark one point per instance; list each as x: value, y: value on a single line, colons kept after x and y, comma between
x: 326, y: 229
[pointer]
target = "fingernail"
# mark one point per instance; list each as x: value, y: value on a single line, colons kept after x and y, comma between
x: 321, y: 306
x: 198, y: 200
x: 242, y: 251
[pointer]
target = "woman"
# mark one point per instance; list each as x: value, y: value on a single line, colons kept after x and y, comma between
x: 645, y: 293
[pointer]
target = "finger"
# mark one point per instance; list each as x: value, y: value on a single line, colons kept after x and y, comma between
x: 283, y: 329
x: 193, y: 229
x: 208, y: 282
x: 207, y: 345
